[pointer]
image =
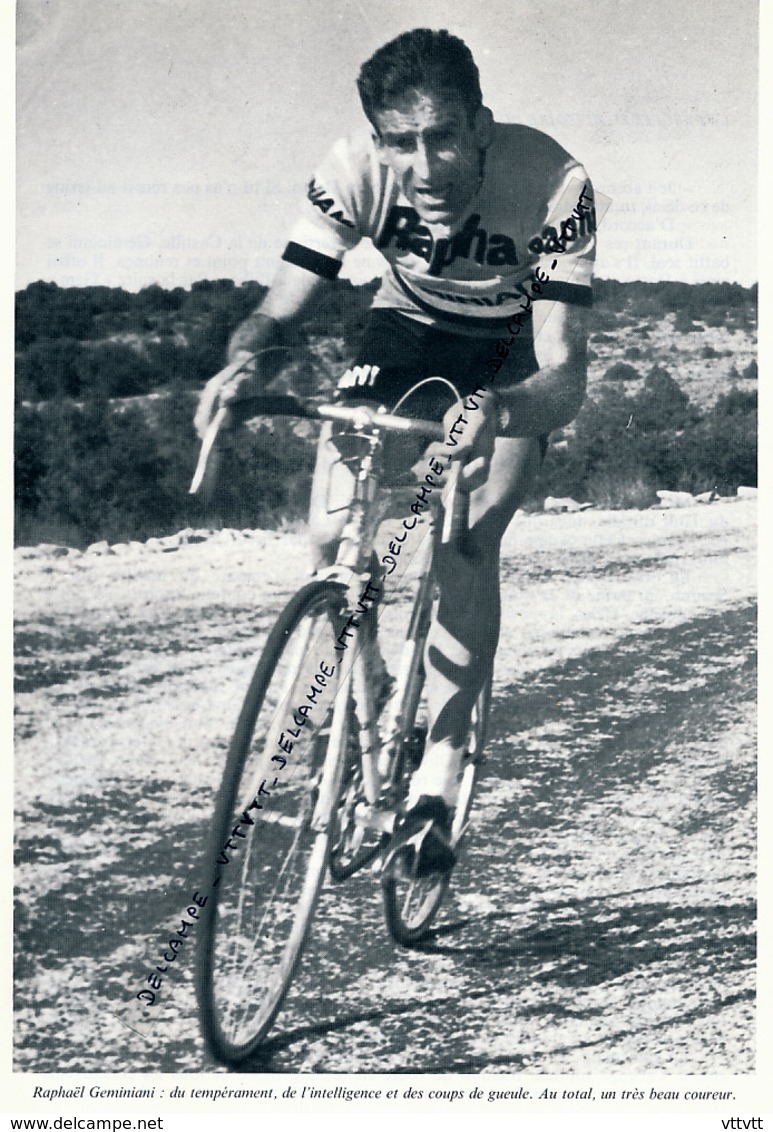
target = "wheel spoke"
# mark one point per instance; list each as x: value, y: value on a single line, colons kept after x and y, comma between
x: 270, y: 874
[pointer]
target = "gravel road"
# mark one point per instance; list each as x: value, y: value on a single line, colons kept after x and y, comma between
x: 602, y: 919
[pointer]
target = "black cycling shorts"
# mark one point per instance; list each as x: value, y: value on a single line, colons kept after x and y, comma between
x: 397, y: 353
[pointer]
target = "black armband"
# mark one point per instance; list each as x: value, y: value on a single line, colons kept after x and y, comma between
x: 318, y: 264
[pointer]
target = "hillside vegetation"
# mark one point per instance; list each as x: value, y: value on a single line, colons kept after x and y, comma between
x: 106, y: 383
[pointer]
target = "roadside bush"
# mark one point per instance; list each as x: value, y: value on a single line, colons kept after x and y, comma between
x: 723, y: 446
x: 601, y: 320
x: 612, y: 491
x: 29, y: 465
x: 623, y: 447
x: 684, y: 323
x: 564, y: 470
x: 49, y: 368
x: 91, y: 466
x: 112, y: 369
x: 661, y: 404
x: 264, y: 478
x: 621, y: 371
x: 175, y: 364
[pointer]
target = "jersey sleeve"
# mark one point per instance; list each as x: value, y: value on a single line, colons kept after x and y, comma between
x: 565, y: 250
x: 331, y: 219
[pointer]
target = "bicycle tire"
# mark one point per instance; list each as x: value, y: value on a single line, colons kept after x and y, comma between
x: 353, y: 847
x: 411, y: 904
x: 266, y: 860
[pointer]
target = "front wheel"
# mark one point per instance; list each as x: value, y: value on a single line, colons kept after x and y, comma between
x: 269, y: 841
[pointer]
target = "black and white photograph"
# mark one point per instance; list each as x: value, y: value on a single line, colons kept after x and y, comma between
x: 385, y: 535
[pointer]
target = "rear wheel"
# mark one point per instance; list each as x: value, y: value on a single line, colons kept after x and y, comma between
x: 354, y: 845
x: 270, y: 836
x: 410, y: 904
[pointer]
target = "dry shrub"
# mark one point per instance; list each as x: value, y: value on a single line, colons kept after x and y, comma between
x: 615, y: 491
x: 621, y: 371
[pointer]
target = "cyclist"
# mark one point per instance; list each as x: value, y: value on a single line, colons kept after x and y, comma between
x: 488, y: 232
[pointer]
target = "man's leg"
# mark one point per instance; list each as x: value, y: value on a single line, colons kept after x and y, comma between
x: 463, y: 638
x: 331, y: 493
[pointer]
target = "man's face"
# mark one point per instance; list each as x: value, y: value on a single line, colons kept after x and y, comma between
x: 434, y: 150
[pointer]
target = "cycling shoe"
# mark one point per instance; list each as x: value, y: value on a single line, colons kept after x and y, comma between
x: 421, y: 841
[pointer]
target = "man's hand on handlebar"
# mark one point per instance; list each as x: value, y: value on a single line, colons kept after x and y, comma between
x: 474, y: 431
x: 244, y: 376
x: 240, y: 379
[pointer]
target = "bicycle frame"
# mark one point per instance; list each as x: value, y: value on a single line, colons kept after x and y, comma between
x: 352, y: 570
x: 348, y: 773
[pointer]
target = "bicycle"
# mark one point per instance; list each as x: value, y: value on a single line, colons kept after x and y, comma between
x: 313, y: 779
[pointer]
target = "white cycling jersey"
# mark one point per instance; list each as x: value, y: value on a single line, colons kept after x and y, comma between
x: 529, y: 230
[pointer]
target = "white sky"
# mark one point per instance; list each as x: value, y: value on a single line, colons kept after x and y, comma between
x: 171, y: 140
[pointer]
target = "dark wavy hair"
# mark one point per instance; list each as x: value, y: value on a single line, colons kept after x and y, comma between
x: 421, y: 59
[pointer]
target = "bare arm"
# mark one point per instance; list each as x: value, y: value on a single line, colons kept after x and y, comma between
x: 291, y: 290
x: 552, y: 397
x: 547, y: 400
